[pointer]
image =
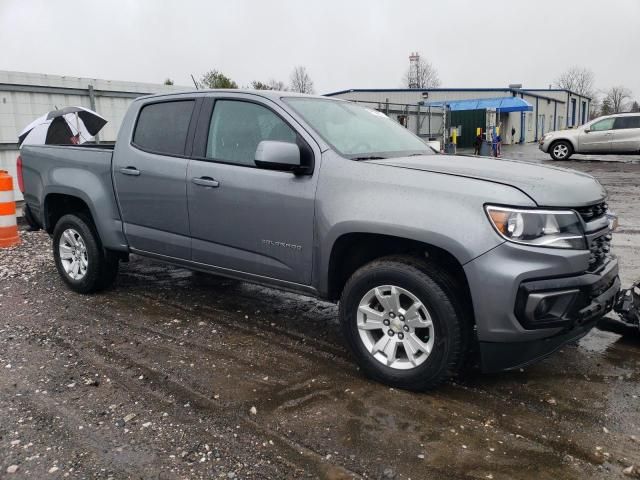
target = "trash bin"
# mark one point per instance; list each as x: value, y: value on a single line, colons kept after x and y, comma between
x: 485, y: 149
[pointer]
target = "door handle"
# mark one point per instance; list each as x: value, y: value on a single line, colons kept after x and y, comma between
x: 130, y: 171
x: 206, y: 182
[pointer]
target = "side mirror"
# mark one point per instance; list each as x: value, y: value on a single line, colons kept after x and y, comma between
x: 274, y: 155
x: 587, y: 129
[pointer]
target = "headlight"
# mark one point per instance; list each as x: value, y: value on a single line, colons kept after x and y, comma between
x: 540, y: 228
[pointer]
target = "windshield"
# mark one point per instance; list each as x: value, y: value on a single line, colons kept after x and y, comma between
x: 357, y: 132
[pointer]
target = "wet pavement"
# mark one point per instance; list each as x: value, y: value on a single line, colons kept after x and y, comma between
x: 172, y: 374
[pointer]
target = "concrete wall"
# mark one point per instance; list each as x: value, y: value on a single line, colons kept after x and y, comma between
x: 26, y: 96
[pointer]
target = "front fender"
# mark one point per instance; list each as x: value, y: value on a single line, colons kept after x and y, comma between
x: 445, y: 211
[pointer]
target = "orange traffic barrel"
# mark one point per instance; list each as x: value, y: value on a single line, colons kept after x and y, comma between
x: 8, y: 225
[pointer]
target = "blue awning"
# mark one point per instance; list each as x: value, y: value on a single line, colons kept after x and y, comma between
x: 504, y: 104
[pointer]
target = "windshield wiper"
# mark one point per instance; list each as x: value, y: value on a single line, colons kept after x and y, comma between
x: 372, y: 157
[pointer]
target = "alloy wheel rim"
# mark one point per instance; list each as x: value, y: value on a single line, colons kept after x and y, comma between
x: 560, y: 151
x: 73, y: 254
x: 395, y: 327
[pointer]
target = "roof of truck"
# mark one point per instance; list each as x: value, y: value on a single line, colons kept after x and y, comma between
x: 272, y: 94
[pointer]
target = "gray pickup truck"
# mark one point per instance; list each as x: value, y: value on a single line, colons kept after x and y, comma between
x: 433, y: 258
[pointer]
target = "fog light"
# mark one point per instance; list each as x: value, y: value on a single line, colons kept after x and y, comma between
x: 543, y: 308
x: 547, y: 309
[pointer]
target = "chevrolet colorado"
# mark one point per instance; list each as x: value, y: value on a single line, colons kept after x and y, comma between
x: 430, y: 256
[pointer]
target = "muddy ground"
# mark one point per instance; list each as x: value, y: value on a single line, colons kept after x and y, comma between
x: 176, y: 375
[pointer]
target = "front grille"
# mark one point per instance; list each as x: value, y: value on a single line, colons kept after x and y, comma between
x: 592, y: 212
x: 599, y: 248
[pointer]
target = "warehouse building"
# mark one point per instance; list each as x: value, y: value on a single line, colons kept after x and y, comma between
x: 423, y: 110
x: 26, y: 96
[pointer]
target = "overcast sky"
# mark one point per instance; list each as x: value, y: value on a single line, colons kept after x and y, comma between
x: 344, y: 44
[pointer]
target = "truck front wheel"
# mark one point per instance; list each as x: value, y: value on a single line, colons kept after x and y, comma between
x: 79, y: 257
x: 399, y: 318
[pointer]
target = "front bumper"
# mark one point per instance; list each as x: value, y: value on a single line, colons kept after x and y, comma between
x: 507, y: 285
x: 594, y: 296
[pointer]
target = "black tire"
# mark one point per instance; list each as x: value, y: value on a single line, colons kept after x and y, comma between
x: 435, y: 289
x: 556, y: 149
x: 102, y: 268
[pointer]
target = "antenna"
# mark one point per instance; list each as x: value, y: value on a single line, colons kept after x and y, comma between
x: 414, y: 67
x: 194, y: 82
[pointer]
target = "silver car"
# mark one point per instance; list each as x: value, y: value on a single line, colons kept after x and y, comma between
x: 613, y: 134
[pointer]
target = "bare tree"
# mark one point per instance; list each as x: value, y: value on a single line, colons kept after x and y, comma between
x: 579, y: 80
x: 301, y: 81
x: 425, y: 75
x: 277, y: 85
x: 617, y: 97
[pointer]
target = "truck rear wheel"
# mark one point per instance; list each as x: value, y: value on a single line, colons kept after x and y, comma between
x: 79, y: 257
x: 399, y: 318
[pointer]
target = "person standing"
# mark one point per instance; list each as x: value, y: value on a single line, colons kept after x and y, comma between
x: 477, y: 144
x: 513, y: 135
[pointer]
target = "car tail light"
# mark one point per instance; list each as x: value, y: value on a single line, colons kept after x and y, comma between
x: 20, y: 177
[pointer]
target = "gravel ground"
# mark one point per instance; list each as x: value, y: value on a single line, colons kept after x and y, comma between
x: 175, y: 375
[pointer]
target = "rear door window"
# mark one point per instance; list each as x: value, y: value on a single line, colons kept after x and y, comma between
x: 238, y: 127
x: 627, y: 122
x: 162, y: 127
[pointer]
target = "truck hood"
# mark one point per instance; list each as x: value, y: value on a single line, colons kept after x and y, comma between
x: 547, y: 186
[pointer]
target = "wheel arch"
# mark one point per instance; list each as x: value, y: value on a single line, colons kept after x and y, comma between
x: 351, y: 251
x: 61, y: 200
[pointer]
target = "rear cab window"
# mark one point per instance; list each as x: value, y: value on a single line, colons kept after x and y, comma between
x: 162, y: 127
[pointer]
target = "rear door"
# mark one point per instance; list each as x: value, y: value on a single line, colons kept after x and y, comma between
x: 626, y: 134
x: 150, y: 178
x: 244, y: 218
x: 598, y: 139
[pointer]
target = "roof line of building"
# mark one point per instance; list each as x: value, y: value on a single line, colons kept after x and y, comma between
x: 557, y: 90
x: 506, y: 89
x: 27, y: 88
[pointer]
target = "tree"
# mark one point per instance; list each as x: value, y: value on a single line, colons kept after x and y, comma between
x: 425, y: 75
x: 216, y: 79
x: 168, y: 81
x: 300, y: 80
x: 617, y: 98
x: 270, y: 85
x: 635, y: 107
x: 595, y: 107
x: 606, y: 108
x: 579, y: 80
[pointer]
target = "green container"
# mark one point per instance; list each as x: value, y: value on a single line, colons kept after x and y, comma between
x: 470, y: 121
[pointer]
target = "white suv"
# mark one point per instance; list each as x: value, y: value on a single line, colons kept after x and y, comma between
x: 619, y: 134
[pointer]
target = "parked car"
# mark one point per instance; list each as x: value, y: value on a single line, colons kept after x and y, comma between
x: 613, y: 134
x: 431, y: 257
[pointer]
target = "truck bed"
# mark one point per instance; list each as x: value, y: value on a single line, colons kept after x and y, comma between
x: 83, y: 172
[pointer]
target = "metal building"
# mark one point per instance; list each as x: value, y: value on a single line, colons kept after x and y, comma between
x: 26, y: 96
x: 552, y: 109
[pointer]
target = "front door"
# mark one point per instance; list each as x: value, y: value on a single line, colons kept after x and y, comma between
x: 626, y: 134
x: 150, y: 180
x: 598, y: 138
x: 244, y: 218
